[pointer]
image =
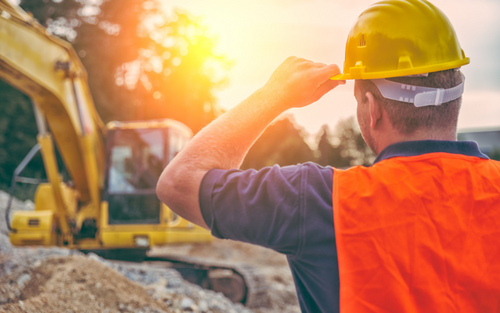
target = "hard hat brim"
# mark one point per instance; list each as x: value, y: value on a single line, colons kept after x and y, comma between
x: 340, y: 77
x: 360, y: 74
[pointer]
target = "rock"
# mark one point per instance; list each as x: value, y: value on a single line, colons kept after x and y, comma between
x: 132, y: 276
x: 29, y: 205
x: 173, y: 282
x: 94, y: 257
x: 186, y: 303
x: 37, y: 263
x: 21, y: 281
x: 203, y: 306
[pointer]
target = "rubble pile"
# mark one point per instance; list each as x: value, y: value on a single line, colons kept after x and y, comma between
x: 57, y: 281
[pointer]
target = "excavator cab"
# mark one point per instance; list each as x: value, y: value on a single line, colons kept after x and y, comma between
x: 132, y: 216
x: 136, y: 158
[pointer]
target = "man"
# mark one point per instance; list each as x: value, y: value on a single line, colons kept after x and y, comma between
x: 419, y: 231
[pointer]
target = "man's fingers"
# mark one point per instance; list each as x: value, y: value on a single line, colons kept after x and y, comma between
x: 326, y: 87
x: 327, y: 72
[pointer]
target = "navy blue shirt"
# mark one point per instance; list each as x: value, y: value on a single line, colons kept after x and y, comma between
x: 289, y: 209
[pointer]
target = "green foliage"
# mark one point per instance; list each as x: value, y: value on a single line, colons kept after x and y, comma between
x: 17, y: 136
x: 495, y: 154
x: 142, y: 64
x: 281, y: 143
x: 344, y: 147
x: 329, y: 154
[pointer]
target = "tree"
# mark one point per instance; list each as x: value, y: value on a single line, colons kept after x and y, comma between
x: 345, y: 147
x: 142, y: 63
x: 17, y: 137
x: 495, y: 154
x: 281, y: 143
x: 330, y: 155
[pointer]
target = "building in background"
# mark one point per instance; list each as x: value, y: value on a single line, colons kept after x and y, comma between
x: 488, y: 139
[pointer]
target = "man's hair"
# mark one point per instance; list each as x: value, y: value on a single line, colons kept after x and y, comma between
x: 405, y: 117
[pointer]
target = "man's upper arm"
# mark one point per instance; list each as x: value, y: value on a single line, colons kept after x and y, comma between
x: 259, y: 207
x: 263, y: 207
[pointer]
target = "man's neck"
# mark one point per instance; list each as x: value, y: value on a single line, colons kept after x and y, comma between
x: 385, y: 140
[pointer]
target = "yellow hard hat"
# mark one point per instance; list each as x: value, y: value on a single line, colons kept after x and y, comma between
x: 399, y: 38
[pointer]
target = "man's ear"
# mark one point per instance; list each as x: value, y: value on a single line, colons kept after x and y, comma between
x: 375, y: 110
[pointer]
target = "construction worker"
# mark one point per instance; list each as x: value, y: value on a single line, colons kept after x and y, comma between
x: 418, y: 231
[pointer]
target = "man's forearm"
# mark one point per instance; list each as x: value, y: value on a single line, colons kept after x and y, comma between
x: 224, y: 143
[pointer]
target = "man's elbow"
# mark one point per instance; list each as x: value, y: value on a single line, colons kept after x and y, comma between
x: 165, y: 188
x: 179, y: 191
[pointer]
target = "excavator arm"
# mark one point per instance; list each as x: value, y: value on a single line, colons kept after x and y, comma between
x: 49, y: 72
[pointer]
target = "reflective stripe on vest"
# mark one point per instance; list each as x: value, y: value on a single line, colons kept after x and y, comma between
x: 419, y: 234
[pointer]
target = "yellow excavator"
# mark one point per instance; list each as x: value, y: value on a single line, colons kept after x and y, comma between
x: 109, y: 205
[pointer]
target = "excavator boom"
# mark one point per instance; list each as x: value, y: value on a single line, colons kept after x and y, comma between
x: 50, y: 73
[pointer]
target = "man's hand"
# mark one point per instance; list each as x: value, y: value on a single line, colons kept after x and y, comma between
x: 224, y: 143
x: 299, y: 82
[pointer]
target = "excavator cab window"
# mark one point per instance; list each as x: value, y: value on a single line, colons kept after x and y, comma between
x: 135, y: 162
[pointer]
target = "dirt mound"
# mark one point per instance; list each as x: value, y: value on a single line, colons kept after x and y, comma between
x: 35, y: 282
x: 77, y: 284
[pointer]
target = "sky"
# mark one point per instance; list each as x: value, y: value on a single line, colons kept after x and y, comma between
x: 260, y: 34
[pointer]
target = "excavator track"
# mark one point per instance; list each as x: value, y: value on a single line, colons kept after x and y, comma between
x: 238, y: 282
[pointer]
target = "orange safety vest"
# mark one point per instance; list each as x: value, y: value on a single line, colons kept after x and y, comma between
x: 419, y: 234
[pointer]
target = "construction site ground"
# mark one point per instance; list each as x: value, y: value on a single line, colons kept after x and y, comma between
x: 61, y: 280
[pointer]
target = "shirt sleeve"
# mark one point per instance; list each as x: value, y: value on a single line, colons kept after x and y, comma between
x: 264, y: 207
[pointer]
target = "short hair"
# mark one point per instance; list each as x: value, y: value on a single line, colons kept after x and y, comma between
x: 406, y: 117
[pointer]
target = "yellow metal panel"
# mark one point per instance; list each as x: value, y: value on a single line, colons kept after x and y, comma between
x: 104, y: 216
x: 187, y: 236
x: 44, y: 198
x: 126, y: 239
x: 33, y: 228
x: 87, y: 143
x: 50, y: 163
x: 123, y: 236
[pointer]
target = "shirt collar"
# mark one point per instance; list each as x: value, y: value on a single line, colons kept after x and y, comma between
x: 414, y: 148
